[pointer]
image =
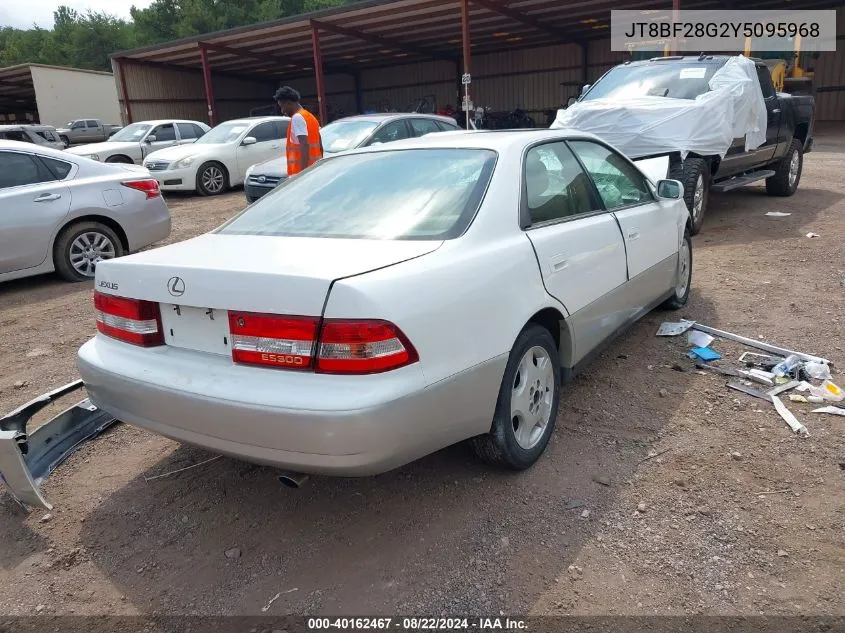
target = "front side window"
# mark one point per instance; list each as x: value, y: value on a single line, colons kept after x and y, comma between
x: 79, y: 125
x: 165, y: 132
x: 264, y: 132
x: 91, y: 123
x: 556, y: 187
x: 431, y: 194
x: 343, y: 135
x: 766, y: 84
x: 619, y: 183
x: 17, y: 170
x: 393, y: 131
x: 224, y: 133
x: 134, y: 132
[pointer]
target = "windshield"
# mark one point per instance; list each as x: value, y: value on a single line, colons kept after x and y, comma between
x: 343, y: 135
x: 132, y: 132
x: 659, y: 79
x: 224, y: 133
x: 431, y: 194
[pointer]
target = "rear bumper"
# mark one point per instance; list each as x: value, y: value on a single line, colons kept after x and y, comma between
x: 147, y: 225
x: 336, y: 425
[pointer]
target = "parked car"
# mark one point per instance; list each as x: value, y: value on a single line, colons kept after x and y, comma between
x: 349, y: 133
x: 219, y: 160
x: 616, y: 102
x: 67, y: 213
x: 45, y: 135
x: 391, y: 301
x: 86, y: 131
x: 136, y: 141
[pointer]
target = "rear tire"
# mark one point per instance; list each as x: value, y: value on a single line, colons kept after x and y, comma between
x: 683, y: 282
x: 65, y: 140
x: 526, y: 408
x: 212, y: 179
x: 787, y: 172
x: 80, y: 246
x: 694, y: 174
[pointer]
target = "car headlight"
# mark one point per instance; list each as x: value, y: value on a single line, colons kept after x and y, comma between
x: 184, y: 162
x: 249, y: 171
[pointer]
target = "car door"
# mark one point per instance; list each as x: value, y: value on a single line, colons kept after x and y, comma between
x: 268, y: 144
x: 766, y: 152
x: 33, y: 200
x: 421, y: 126
x: 94, y: 131
x: 579, y: 245
x: 649, y: 226
x: 165, y: 136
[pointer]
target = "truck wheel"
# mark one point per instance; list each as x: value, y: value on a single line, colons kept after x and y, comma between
x: 787, y: 172
x: 65, y: 140
x: 527, y: 405
x: 694, y: 174
x: 79, y: 247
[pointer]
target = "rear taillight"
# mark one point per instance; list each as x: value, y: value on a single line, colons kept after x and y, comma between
x: 342, y: 347
x: 148, y: 186
x: 129, y: 320
x: 272, y: 340
x: 362, y: 347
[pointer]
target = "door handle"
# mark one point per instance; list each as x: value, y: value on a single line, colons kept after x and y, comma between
x: 48, y: 197
x: 633, y: 234
x: 776, y: 111
x: 559, y: 263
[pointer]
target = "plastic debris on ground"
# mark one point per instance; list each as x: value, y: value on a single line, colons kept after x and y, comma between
x: 831, y: 410
x: 777, y: 214
x: 704, y: 353
x: 779, y: 369
x: 812, y: 235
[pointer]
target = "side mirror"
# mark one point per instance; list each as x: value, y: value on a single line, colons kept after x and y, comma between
x: 249, y: 140
x: 670, y: 189
x: 570, y: 101
x: 151, y: 138
x: 586, y: 88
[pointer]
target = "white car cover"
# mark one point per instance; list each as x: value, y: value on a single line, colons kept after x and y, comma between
x: 707, y: 125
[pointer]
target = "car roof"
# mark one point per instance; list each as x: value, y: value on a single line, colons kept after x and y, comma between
x: 43, y: 150
x: 496, y: 140
x: 256, y: 119
x: 379, y: 117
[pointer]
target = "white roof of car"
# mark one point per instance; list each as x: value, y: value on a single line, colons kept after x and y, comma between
x: 496, y: 140
x: 256, y: 119
x: 160, y: 121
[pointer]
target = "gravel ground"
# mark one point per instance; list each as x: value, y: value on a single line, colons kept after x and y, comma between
x: 712, y: 505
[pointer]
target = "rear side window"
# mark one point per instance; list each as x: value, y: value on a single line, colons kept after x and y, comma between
x: 187, y: 131
x: 766, y: 84
x: 431, y: 194
x: 447, y: 127
x: 421, y: 127
x: 15, y: 135
x: 17, y: 170
x: 59, y: 167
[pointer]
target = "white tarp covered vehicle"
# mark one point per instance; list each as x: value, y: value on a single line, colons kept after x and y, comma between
x: 701, y: 120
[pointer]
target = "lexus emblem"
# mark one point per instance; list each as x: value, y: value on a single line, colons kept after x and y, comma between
x: 176, y: 286
x: 262, y: 179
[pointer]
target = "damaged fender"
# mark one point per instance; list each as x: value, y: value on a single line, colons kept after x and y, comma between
x: 26, y: 460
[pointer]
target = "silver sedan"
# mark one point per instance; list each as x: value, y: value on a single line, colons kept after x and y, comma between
x: 66, y: 213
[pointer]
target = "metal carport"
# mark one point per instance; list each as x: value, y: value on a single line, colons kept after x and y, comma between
x: 524, y: 53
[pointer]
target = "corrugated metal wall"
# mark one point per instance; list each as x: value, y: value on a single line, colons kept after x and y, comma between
x: 829, y: 78
x: 398, y: 87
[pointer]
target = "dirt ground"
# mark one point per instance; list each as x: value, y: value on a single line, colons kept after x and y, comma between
x: 758, y: 532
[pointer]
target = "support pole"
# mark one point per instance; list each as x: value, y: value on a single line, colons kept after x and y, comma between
x: 466, y: 52
x: 359, y: 94
x: 318, y: 72
x: 676, y: 16
x: 585, y: 64
x: 121, y: 68
x: 209, y: 87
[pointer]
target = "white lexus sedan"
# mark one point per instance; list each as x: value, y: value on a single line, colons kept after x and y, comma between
x: 391, y: 301
x: 219, y: 159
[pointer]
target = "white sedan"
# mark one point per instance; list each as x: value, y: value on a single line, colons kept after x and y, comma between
x: 219, y: 159
x: 349, y: 323
x: 132, y: 143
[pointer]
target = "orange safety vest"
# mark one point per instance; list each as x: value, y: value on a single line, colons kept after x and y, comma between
x: 294, y: 149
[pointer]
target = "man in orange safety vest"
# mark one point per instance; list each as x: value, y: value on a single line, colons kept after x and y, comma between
x: 304, y: 147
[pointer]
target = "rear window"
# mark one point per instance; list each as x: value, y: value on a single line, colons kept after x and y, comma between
x: 431, y: 194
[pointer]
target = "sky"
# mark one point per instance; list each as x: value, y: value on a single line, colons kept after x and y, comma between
x: 22, y: 13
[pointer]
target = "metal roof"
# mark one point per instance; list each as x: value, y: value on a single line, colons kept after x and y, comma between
x: 377, y: 33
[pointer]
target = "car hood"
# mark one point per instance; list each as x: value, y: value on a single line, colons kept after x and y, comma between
x: 101, y: 148
x: 276, y: 167
x: 182, y: 151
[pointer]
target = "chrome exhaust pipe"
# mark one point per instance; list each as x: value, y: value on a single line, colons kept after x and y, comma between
x: 293, y: 480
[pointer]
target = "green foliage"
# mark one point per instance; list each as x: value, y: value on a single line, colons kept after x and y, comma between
x: 85, y: 40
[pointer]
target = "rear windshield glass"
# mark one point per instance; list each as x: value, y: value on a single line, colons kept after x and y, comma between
x: 405, y: 194
x: 657, y: 79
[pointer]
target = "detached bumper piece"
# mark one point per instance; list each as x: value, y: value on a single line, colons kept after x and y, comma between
x: 27, y: 460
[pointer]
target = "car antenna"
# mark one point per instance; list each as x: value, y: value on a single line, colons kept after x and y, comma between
x: 702, y: 57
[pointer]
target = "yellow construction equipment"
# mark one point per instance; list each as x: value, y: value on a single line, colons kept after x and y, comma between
x: 790, y: 68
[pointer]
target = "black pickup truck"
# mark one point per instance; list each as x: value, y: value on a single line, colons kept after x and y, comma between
x: 789, y: 131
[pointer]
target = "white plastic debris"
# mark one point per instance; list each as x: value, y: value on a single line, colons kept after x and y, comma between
x: 819, y: 371
x: 699, y: 339
x: 789, y: 418
x: 669, y: 328
x: 642, y: 125
x: 831, y: 410
x: 777, y: 214
x: 811, y: 235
